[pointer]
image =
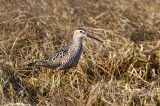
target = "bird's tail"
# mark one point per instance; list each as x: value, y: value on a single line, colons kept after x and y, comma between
x: 32, y: 64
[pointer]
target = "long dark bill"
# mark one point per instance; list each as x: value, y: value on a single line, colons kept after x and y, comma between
x: 94, y: 38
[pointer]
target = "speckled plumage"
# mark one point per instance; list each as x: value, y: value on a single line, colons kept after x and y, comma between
x: 66, y: 57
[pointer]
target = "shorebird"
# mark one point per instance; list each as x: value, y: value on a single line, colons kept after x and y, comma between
x: 66, y: 57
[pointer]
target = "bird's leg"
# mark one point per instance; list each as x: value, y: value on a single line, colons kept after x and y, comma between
x: 65, y: 71
x: 75, y: 73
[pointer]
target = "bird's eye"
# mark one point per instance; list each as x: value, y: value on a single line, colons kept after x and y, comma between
x: 80, y: 31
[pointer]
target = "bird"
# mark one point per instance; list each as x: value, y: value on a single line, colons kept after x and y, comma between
x: 66, y: 57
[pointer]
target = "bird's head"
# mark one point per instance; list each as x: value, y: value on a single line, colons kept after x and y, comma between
x: 80, y: 33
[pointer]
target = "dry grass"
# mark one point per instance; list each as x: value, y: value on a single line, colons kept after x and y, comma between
x: 124, y: 70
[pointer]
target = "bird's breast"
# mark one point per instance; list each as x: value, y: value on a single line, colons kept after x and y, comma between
x: 76, y: 54
x: 73, y: 57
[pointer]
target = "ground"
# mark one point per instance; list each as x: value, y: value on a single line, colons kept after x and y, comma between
x: 124, y: 70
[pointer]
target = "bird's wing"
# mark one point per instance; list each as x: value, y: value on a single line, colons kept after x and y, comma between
x: 54, y: 60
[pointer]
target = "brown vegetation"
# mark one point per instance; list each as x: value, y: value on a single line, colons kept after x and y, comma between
x: 124, y: 70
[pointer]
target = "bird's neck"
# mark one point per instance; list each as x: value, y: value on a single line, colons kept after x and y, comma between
x: 77, y: 42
